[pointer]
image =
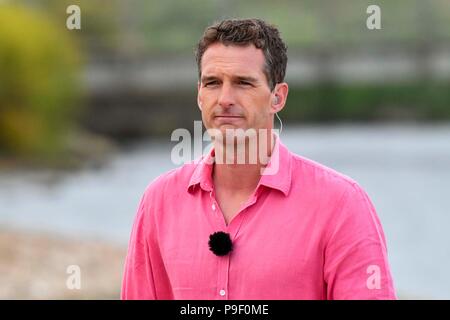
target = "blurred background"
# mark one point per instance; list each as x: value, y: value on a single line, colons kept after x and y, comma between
x: 86, y: 117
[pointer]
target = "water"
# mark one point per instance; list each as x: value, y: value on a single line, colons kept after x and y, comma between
x: 404, y: 169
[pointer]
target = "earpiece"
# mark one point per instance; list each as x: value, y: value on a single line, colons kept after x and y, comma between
x: 275, y: 100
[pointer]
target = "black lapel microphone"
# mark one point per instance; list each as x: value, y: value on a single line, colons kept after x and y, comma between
x: 220, y: 243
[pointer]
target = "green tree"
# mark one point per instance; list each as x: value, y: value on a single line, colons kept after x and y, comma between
x: 39, y: 84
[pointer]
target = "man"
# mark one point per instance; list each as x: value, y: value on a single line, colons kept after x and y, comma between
x: 280, y: 227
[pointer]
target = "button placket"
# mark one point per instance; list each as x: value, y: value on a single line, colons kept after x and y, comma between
x: 222, y: 272
x: 216, y: 210
x: 222, y: 279
x: 222, y: 292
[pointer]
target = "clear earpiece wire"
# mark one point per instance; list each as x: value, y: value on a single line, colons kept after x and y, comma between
x: 281, y: 122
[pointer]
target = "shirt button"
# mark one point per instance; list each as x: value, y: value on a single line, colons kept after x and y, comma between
x: 222, y: 292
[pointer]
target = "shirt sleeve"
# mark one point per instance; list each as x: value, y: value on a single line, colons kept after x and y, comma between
x: 356, y: 263
x: 144, y: 275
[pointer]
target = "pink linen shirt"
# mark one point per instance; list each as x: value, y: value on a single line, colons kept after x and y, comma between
x: 307, y: 232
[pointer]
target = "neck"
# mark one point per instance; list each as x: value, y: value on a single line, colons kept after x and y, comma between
x: 237, y: 167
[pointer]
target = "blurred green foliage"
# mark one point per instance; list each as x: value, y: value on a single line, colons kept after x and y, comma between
x: 39, y: 62
x: 329, y: 102
x: 39, y: 85
x: 100, y: 20
x: 176, y: 26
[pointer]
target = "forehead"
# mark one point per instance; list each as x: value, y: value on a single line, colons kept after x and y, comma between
x: 233, y: 59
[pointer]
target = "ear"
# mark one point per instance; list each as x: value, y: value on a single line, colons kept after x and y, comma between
x: 279, y: 97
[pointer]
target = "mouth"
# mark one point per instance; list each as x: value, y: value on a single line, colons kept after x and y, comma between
x: 228, y: 117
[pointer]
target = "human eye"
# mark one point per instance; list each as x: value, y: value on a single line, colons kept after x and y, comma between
x: 245, y: 83
x: 211, y: 83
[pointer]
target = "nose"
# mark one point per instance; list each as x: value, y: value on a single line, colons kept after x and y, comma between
x: 226, y: 96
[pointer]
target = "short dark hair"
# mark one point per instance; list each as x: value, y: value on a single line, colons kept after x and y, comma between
x: 243, y: 32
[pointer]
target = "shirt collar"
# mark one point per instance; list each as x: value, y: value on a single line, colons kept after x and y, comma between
x: 276, y: 175
x: 202, y: 174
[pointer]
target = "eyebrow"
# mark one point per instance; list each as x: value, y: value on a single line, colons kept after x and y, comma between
x: 244, y: 78
x: 247, y: 78
x: 208, y: 78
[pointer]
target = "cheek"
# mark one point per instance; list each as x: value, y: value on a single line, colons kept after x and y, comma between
x: 209, y: 94
x: 207, y: 111
x: 208, y: 104
x: 262, y: 109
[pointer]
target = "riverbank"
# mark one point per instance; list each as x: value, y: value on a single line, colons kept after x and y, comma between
x: 81, y: 150
x: 405, y: 169
x: 34, y: 266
